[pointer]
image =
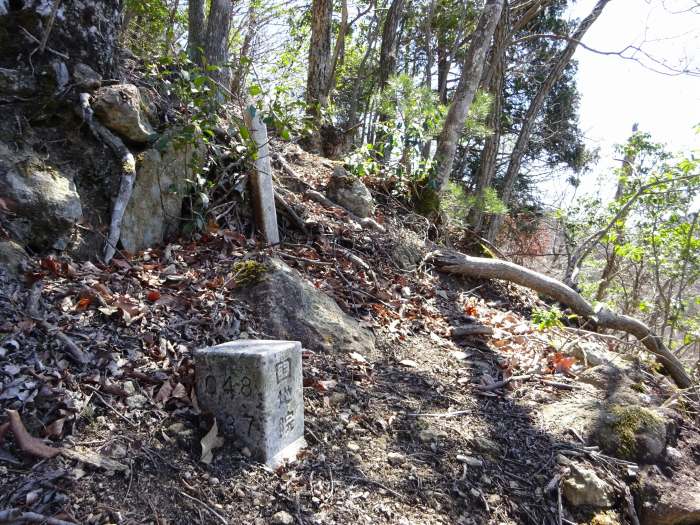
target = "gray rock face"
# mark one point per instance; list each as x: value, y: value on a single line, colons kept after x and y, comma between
x: 12, y: 258
x: 670, y: 501
x: 153, y: 213
x: 583, y: 487
x: 292, y: 308
x: 254, y: 388
x: 350, y: 193
x: 44, y: 202
x: 121, y: 109
x: 86, y: 77
x: 408, y: 250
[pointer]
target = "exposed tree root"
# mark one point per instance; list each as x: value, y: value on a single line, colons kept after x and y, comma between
x: 482, y: 268
x: 128, y: 167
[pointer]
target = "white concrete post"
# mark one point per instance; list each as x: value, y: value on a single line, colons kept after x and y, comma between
x: 261, y: 180
x: 254, y: 388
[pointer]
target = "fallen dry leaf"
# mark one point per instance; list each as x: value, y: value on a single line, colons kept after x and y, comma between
x: 210, y: 442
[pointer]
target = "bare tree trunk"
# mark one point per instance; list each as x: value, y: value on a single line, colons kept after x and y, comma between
x: 389, y: 48
x: 472, y: 70
x: 319, y: 56
x: 429, y: 59
x: 241, y: 71
x: 443, y: 68
x: 216, y: 42
x: 482, y: 268
x: 195, y: 26
x: 494, y: 83
x: 534, y: 109
x: 170, y: 30
x: 611, y: 261
x: 339, y: 49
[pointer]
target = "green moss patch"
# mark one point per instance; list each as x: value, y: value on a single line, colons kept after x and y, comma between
x: 631, y: 421
x: 248, y: 272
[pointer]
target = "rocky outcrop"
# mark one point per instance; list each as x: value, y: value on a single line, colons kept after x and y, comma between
x: 122, y: 110
x: 350, y: 193
x: 43, y: 201
x: 291, y: 308
x: 153, y: 212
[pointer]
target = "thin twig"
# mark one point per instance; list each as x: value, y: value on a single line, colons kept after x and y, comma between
x: 223, y: 520
x: 49, y: 26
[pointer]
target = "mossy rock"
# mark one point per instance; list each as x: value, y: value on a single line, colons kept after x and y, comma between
x: 633, y: 433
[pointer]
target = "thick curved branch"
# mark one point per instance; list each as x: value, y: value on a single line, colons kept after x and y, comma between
x: 482, y: 268
x: 128, y: 168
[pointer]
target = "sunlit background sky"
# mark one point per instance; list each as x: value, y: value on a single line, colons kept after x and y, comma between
x: 616, y: 93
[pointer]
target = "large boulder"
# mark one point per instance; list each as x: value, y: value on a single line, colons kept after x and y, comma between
x: 350, y: 193
x: 153, y: 212
x: 670, y: 501
x: 290, y: 307
x: 43, y: 202
x: 122, y: 110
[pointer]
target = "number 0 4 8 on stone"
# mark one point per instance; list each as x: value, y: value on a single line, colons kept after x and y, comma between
x: 254, y: 389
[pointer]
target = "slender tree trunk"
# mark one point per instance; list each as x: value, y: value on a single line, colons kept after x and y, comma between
x: 534, y: 109
x: 170, y: 30
x: 241, y: 71
x: 472, y: 71
x: 338, y: 51
x: 443, y: 68
x: 494, y: 82
x: 196, y: 26
x: 429, y: 59
x: 216, y: 42
x: 389, y: 48
x: 319, y: 56
x: 611, y: 261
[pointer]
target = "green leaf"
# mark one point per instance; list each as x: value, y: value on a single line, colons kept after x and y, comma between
x: 254, y: 90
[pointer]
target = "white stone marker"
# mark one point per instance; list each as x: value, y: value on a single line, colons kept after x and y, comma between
x: 254, y: 388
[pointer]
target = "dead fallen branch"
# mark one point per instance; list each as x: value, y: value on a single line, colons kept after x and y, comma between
x: 483, y: 268
x: 128, y: 176
x: 26, y: 442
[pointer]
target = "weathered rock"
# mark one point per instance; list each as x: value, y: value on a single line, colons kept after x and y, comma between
x: 12, y: 258
x: 86, y: 77
x: 670, y: 501
x: 121, y: 109
x: 583, y: 487
x: 153, y: 213
x: 282, y: 518
x: 627, y: 431
x: 632, y: 432
x: 44, y: 202
x: 254, y: 388
x: 290, y: 307
x: 350, y: 193
x: 590, y: 353
x: 408, y: 250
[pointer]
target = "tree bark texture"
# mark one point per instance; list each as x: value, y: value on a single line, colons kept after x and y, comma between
x: 389, y: 48
x: 196, y: 25
x: 534, y: 109
x: 472, y: 70
x: 216, y: 42
x: 493, y: 81
x: 319, y: 56
x: 483, y: 268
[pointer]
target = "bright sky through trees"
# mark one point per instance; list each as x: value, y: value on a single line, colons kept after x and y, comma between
x: 616, y: 93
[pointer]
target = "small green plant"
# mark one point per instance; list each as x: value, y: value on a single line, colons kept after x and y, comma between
x: 545, y: 319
